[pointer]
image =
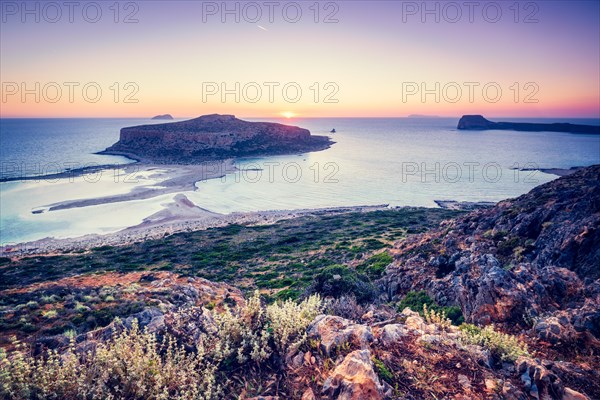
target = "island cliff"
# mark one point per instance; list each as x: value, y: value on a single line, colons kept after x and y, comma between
x: 212, y: 137
x: 479, y: 123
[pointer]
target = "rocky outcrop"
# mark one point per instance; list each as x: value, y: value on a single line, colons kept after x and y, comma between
x: 516, y: 264
x: 414, y: 358
x: 334, y: 332
x: 213, y: 137
x: 479, y: 123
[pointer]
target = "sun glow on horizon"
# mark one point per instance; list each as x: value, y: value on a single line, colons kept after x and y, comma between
x: 288, y: 114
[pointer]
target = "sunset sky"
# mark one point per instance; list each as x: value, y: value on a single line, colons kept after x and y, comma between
x: 544, y: 56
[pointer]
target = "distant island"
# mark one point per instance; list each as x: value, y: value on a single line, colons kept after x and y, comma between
x: 422, y: 116
x: 213, y: 137
x: 479, y: 123
x: 163, y: 116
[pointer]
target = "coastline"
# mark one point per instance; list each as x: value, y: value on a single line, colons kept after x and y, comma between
x: 179, y: 216
x: 171, y: 179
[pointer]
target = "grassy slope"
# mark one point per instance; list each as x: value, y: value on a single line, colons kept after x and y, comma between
x: 279, y: 259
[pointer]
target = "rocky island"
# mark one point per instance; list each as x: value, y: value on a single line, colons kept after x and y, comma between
x: 163, y: 116
x: 479, y: 123
x: 213, y: 137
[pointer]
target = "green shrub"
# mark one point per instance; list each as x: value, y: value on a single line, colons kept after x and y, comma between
x: 50, y: 314
x: 506, y: 247
x: 505, y: 347
x: 416, y: 300
x: 287, y: 294
x: 32, y: 305
x: 374, y: 267
x: 339, y: 280
x: 383, y: 371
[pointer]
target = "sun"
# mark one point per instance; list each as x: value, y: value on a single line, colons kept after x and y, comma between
x: 288, y: 114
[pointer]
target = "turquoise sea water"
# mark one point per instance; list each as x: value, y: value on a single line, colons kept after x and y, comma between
x: 400, y: 161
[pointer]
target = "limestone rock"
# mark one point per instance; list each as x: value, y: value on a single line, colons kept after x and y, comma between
x: 571, y: 394
x: 309, y: 395
x: 554, y: 330
x: 334, y: 331
x: 391, y: 334
x: 354, y: 379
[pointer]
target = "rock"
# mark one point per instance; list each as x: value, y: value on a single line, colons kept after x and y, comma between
x: 354, y: 379
x: 150, y: 318
x: 537, y: 379
x: 491, y: 384
x: 334, y: 331
x: 524, y: 257
x: 51, y: 342
x: 163, y: 116
x: 571, y: 394
x: 264, y: 398
x: 308, y: 395
x: 391, y: 334
x: 479, y: 354
x: 297, y: 360
x: 464, y: 382
x: 553, y: 330
x: 430, y: 339
x: 212, y: 137
x: 509, y: 391
x: 478, y: 122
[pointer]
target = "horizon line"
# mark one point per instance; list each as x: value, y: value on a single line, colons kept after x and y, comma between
x: 301, y: 117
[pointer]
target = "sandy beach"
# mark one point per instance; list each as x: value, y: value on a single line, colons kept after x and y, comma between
x: 178, y: 215
x: 169, y: 178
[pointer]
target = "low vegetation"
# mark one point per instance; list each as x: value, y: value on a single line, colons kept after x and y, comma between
x: 136, y: 364
x: 281, y: 260
x: 420, y: 302
x: 504, y: 346
x: 338, y: 280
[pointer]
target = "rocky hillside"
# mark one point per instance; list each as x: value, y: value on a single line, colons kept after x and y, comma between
x: 531, y: 262
x: 213, y: 137
x: 524, y: 273
x: 242, y: 349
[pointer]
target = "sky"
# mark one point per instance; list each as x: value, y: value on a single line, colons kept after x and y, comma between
x: 304, y: 58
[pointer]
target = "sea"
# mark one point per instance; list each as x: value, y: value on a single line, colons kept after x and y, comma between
x: 374, y: 161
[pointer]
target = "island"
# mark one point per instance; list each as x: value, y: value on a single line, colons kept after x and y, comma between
x: 213, y: 137
x: 479, y: 123
x: 422, y: 116
x: 163, y: 116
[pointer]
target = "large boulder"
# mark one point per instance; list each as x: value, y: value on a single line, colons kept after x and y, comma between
x: 354, y: 379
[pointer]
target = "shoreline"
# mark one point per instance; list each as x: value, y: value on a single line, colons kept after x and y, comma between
x: 170, y: 179
x: 179, y: 216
